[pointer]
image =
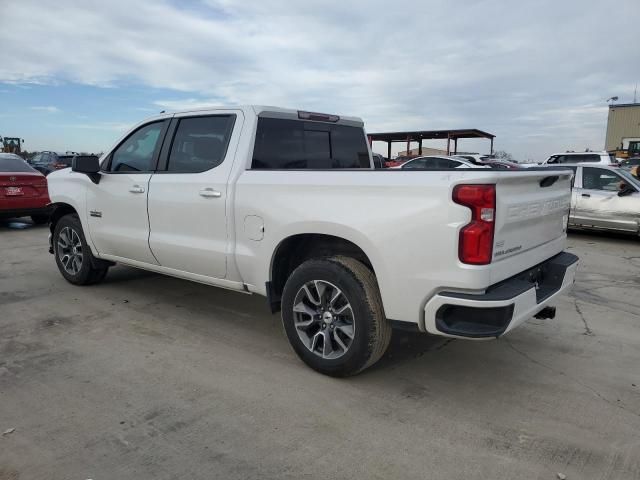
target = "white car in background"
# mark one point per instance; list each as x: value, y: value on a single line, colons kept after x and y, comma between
x: 596, y: 158
x: 438, y: 162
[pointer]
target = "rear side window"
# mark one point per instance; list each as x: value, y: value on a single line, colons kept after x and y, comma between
x: 295, y: 144
x: 415, y: 164
x: 582, y: 158
x: 200, y: 143
x: 13, y: 164
x: 444, y: 163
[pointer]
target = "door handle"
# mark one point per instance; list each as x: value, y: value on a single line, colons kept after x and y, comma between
x: 136, y: 189
x: 586, y: 195
x: 210, y: 193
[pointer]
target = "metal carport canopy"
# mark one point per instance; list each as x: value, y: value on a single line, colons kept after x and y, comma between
x: 420, y: 135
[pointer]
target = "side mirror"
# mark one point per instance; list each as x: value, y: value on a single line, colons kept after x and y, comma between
x: 89, y: 165
x: 628, y: 190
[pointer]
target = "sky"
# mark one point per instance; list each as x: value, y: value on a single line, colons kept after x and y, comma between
x: 537, y: 74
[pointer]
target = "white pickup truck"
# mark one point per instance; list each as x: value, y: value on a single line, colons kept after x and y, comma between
x: 287, y: 204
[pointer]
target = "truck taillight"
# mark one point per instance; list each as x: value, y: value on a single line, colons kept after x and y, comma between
x: 476, y: 238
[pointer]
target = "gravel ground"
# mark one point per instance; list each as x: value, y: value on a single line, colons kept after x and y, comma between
x: 150, y: 377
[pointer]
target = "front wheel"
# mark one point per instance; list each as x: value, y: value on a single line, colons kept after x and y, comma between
x: 333, y: 316
x: 73, y: 256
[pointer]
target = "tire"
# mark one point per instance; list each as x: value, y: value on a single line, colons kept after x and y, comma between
x: 311, y: 316
x: 40, y: 219
x: 83, y: 270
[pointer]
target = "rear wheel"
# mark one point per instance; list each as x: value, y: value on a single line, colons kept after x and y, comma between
x: 73, y: 256
x: 39, y: 219
x: 333, y: 316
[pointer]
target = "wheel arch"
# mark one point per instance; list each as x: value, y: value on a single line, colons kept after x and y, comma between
x: 59, y: 210
x: 295, y: 249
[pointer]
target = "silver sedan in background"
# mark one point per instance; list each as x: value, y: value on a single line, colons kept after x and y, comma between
x: 605, y: 198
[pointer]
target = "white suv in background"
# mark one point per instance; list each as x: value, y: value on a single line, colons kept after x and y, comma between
x: 599, y: 158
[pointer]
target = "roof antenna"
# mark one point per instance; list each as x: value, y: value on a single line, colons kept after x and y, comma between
x: 635, y: 92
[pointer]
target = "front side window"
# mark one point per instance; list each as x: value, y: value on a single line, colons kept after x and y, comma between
x: 588, y: 158
x: 296, y: 144
x: 200, y: 143
x: 136, y: 153
x: 600, y: 179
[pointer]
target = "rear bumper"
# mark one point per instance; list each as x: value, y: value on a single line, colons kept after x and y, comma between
x: 503, y: 306
x: 24, y: 212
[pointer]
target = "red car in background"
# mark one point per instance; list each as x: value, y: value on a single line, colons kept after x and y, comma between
x: 23, y: 190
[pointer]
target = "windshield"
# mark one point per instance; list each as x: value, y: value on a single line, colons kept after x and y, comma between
x: 66, y: 159
x: 13, y: 163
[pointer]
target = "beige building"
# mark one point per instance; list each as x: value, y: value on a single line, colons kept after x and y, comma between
x: 425, y: 151
x: 623, y: 126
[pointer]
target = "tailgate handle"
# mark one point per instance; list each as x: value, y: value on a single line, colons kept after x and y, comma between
x: 548, y: 181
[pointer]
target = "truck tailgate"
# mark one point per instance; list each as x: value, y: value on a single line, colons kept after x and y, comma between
x: 531, y: 210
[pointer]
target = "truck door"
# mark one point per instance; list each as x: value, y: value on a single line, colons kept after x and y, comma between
x: 189, y: 195
x: 117, y: 206
x: 599, y: 205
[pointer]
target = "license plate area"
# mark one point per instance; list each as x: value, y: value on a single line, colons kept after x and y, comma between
x: 13, y: 191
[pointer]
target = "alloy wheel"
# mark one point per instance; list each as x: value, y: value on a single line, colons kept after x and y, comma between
x: 70, y: 250
x: 324, y: 319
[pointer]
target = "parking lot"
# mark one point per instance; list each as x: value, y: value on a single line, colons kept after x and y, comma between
x: 150, y: 377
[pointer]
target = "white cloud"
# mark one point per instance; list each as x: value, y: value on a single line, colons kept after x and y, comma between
x: 46, y: 108
x: 516, y: 69
x: 185, y: 104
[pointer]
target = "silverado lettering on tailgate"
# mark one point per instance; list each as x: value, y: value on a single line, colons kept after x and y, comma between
x: 537, y: 209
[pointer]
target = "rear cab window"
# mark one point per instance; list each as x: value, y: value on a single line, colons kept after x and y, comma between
x: 283, y: 144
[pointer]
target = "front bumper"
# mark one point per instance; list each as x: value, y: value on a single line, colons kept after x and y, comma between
x: 503, y: 306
